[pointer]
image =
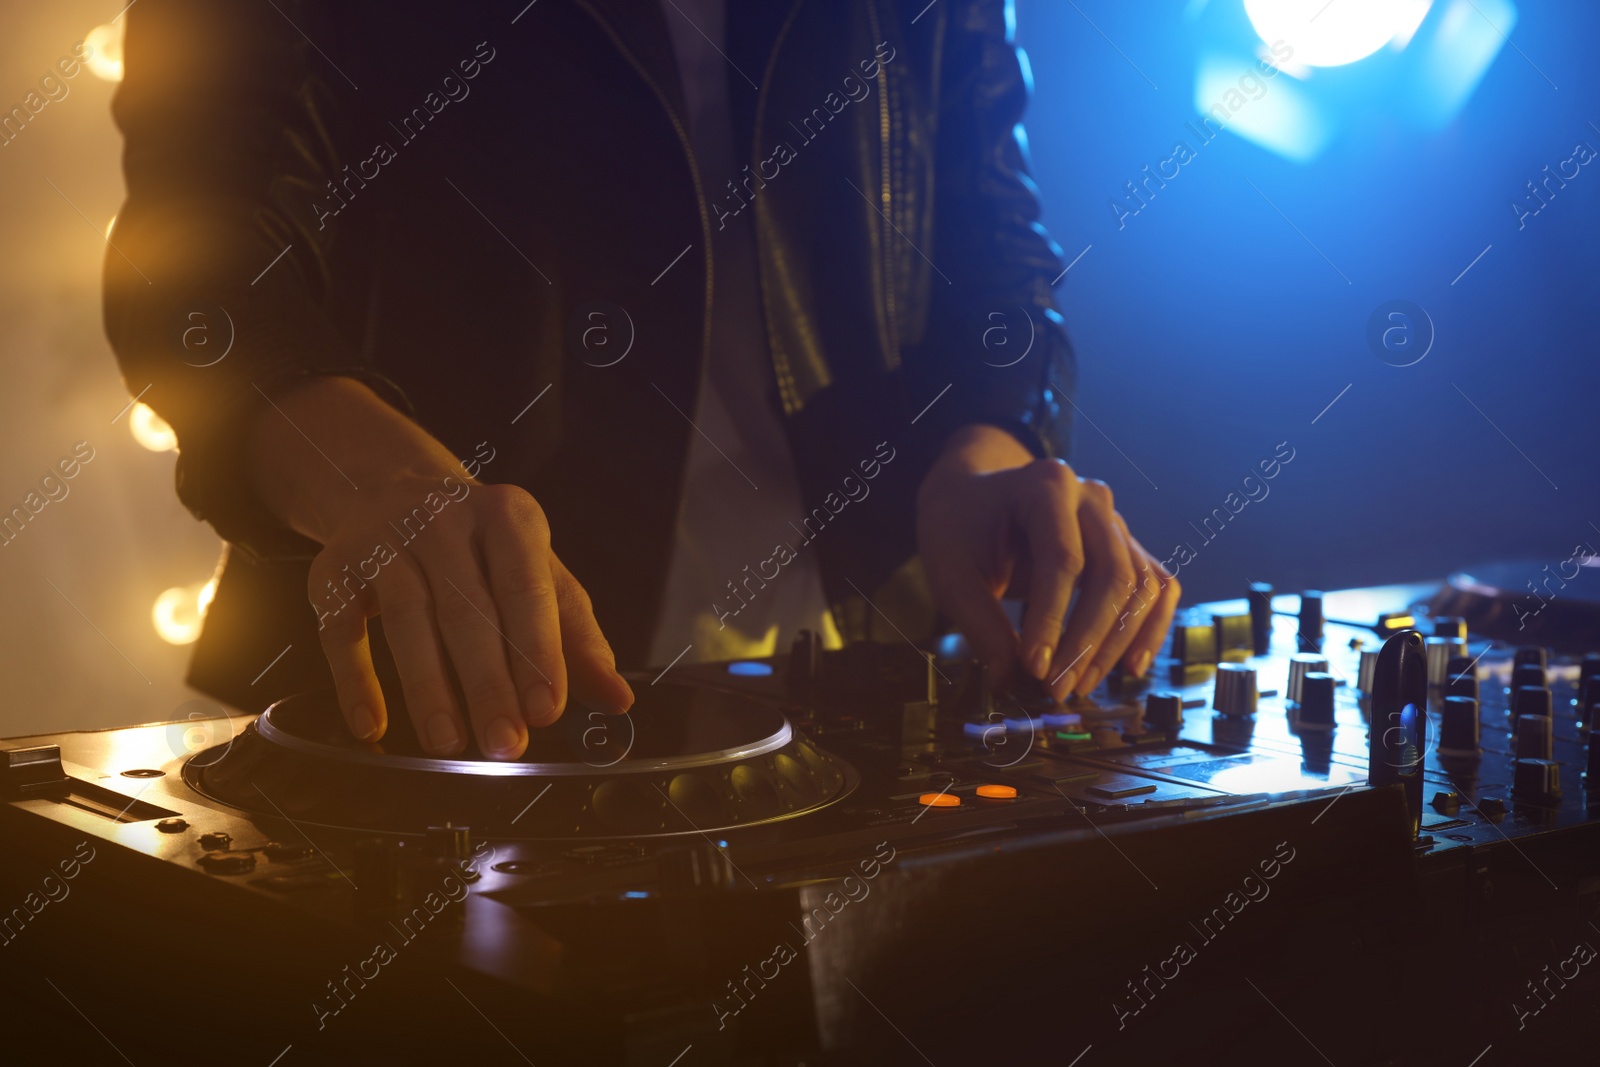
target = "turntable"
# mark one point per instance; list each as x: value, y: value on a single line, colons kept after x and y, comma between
x: 840, y: 859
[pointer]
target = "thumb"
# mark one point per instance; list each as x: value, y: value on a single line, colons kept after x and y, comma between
x: 592, y: 676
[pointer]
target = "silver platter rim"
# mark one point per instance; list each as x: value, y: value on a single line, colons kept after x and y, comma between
x: 516, y: 769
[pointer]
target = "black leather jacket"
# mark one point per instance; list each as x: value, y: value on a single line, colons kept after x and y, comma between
x: 437, y: 199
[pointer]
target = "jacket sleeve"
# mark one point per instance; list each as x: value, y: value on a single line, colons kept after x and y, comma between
x: 218, y: 279
x: 1000, y: 262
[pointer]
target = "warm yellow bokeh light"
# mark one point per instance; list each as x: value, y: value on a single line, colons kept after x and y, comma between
x: 151, y: 430
x: 111, y: 226
x: 179, y: 611
x: 106, y: 60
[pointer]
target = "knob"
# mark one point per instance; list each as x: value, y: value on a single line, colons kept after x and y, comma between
x: 1194, y: 643
x: 450, y: 842
x: 1163, y: 710
x: 1234, y: 634
x: 1440, y: 651
x: 1531, y: 700
x: 1316, y: 701
x: 377, y: 872
x: 1588, y: 688
x: 1300, y: 665
x: 1310, y: 630
x: 1527, y: 674
x: 1235, y: 692
x: 1537, y: 779
x: 1460, y: 678
x: 1531, y: 654
x: 1533, y: 737
x: 1261, y: 617
x: 1369, y: 664
x: 1450, y: 626
x: 1458, y: 727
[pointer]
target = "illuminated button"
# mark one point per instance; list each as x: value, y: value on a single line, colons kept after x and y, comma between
x: 750, y: 669
x: 998, y: 792
x: 1073, y: 735
x: 939, y: 800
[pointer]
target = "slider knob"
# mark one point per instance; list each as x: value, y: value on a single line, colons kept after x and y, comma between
x: 1537, y: 779
x: 1300, y: 665
x: 1235, y: 692
x: 1316, y: 701
x: 1533, y: 737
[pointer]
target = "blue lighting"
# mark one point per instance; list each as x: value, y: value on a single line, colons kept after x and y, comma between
x: 749, y: 668
x: 636, y: 894
x: 1293, y: 74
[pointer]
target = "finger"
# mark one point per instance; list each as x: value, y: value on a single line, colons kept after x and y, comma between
x: 516, y: 548
x: 591, y: 665
x: 1136, y: 599
x: 1153, y: 631
x: 1049, y: 521
x: 473, y: 635
x: 974, y: 609
x: 1108, y: 579
x: 413, y: 636
x: 342, y: 631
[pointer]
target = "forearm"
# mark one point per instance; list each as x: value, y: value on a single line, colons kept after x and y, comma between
x: 313, y: 448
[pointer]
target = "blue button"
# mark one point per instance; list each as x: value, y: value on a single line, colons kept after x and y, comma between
x: 750, y: 668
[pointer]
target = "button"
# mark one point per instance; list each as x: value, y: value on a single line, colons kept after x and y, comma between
x: 1446, y: 802
x: 215, y: 840
x: 1114, y: 791
x: 1537, y: 779
x: 1458, y: 727
x: 939, y: 800
x: 172, y: 826
x: 1492, y: 808
x: 998, y: 792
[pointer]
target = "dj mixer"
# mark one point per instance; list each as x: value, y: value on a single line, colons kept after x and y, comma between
x: 1352, y: 828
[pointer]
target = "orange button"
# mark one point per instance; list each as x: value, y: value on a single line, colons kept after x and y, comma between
x: 998, y: 792
x: 939, y: 800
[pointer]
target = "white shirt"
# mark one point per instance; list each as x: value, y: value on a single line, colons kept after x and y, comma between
x: 740, y: 513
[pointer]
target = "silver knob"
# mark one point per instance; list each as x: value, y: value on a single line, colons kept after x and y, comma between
x: 1300, y: 665
x: 1369, y: 668
x: 1439, y: 651
x: 1235, y: 693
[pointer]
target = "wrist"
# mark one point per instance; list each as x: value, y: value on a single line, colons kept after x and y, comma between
x: 978, y: 448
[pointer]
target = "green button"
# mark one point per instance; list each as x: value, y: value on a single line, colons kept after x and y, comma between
x: 1066, y: 735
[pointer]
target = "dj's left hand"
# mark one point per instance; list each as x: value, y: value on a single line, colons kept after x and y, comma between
x: 993, y: 521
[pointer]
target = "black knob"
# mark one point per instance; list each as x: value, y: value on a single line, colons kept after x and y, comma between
x: 1531, y: 654
x: 1526, y: 674
x: 1458, y: 727
x: 1531, y: 700
x: 1235, y: 693
x: 1450, y: 626
x: 1261, y: 617
x: 1460, y: 680
x: 1309, y: 635
x: 1316, y: 701
x: 1537, y: 779
x: 1163, y: 710
x: 377, y: 871
x: 450, y: 842
x: 1533, y: 737
x: 1588, y: 689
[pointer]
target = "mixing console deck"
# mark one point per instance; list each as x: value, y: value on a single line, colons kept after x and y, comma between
x: 1325, y: 828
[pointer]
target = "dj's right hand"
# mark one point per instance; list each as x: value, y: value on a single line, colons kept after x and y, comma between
x: 476, y: 587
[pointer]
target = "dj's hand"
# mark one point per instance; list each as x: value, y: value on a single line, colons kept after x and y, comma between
x: 461, y: 572
x: 992, y: 521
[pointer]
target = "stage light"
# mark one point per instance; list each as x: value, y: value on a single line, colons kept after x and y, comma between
x: 179, y: 612
x: 151, y: 430
x: 1332, y: 33
x: 105, y: 61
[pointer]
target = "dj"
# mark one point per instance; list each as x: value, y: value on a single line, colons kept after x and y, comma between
x: 577, y: 333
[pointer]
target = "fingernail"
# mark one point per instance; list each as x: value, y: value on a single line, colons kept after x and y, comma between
x: 540, y: 703
x: 1039, y: 662
x: 502, y: 738
x: 627, y: 702
x: 1092, y: 679
x: 1142, y: 663
x: 363, y: 723
x: 443, y: 733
